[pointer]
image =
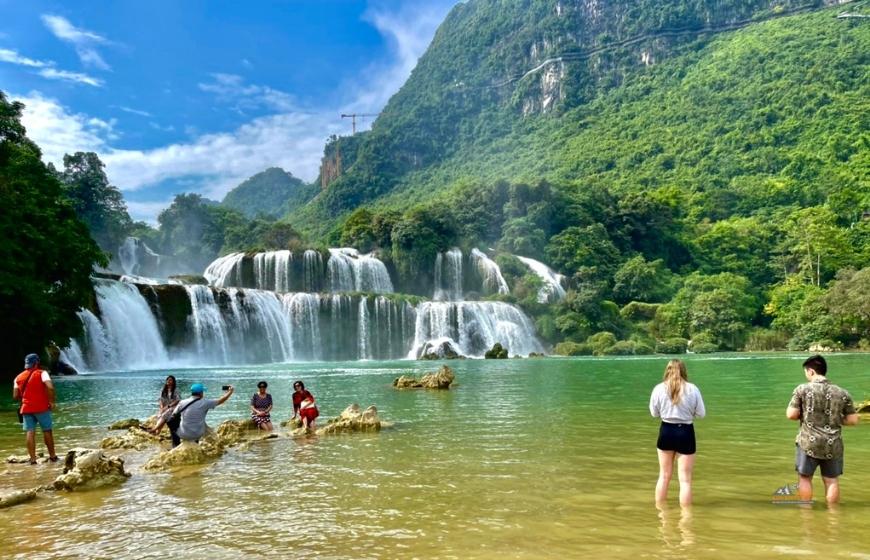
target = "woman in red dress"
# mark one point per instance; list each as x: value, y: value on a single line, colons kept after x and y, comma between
x: 303, y: 405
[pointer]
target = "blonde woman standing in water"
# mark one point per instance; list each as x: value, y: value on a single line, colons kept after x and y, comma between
x: 677, y: 402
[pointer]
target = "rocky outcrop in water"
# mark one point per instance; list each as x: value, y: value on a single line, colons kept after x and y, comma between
x: 86, y: 469
x: 441, y: 379
x: 133, y: 438
x: 440, y: 350
x: 497, y: 352
x: 352, y: 419
x: 210, y: 446
x: 125, y: 424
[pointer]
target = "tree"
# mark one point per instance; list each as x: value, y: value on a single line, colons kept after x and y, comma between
x: 577, y: 247
x: 815, y: 245
x: 639, y: 280
x: 97, y: 203
x: 46, y: 256
x: 848, y: 301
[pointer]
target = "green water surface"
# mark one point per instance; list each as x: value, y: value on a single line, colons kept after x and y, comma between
x: 536, y: 458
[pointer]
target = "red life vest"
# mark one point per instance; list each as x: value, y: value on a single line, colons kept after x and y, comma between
x: 34, y: 397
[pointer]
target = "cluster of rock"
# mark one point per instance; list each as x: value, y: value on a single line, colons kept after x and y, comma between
x: 444, y: 349
x: 84, y: 469
x: 211, y: 446
x: 441, y: 379
x: 497, y: 352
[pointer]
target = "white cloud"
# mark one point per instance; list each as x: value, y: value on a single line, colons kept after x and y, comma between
x: 58, y: 131
x: 147, y: 211
x: 232, y: 89
x: 139, y: 112
x: 12, y: 57
x: 75, y: 77
x: 215, y: 163
x: 83, y: 40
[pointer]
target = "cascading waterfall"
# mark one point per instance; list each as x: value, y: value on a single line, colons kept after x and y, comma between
x: 272, y: 270
x: 348, y: 271
x: 448, y: 276
x: 490, y: 274
x: 226, y: 271
x: 312, y: 271
x: 552, y: 290
x: 474, y: 326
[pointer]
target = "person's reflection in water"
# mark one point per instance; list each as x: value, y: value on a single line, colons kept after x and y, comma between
x: 676, y: 533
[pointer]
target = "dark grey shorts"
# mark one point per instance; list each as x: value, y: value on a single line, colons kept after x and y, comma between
x: 806, y: 465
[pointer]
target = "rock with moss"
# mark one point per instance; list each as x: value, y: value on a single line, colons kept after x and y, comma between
x: 86, y: 469
x: 353, y: 420
x: 864, y: 407
x: 704, y: 348
x: 600, y: 342
x: 441, y: 379
x: 134, y: 438
x: 125, y: 424
x: 675, y: 345
x: 497, y: 352
x: 190, y: 279
x: 537, y: 355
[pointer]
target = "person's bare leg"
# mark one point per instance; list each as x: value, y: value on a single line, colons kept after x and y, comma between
x: 832, y: 489
x: 666, y: 467
x: 685, y: 466
x: 48, y: 437
x: 805, y: 487
x: 31, y: 445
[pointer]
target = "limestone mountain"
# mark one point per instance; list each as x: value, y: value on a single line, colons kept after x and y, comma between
x: 272, y: 192
x: 701, y: 95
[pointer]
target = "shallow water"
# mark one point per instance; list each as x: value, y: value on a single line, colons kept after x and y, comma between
x: 522, y: 459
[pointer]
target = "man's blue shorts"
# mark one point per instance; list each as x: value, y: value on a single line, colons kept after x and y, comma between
x: 41, y: 418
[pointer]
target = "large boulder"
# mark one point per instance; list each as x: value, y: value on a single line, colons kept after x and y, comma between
x: 86, y: 469
x: 440, y: 379
x: 352, y: 419
x: 441, y: 349
x: 497, y: 352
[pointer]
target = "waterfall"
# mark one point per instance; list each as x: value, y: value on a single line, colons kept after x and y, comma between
x: 303, y: 311
x: 474, y: 327
x: 448, y: 276
x: 348, y: 271
x: 272, y: 270
x: 364, y: 344
x: 209, y: 328
x: 226, y: 271
x: 552, y: 290
x: 312, y: 271
x: 490, y: 274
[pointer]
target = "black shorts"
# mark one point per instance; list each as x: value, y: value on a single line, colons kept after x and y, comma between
x: 677, y: 437
x: 806, y: 465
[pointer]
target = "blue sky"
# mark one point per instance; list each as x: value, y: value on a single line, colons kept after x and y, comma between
x: 196, y: 96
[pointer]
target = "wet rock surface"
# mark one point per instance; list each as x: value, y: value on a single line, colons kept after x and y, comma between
x: 497, y: 352
x: 211, y: 446
x: 352, y: 419
x: 125, y: 424
x: 440, y: 350
x: 17, y: 497
x: 86, y: 469
x: 441, y: 379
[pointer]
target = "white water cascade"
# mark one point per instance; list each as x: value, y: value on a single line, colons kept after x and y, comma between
x: 272, y: 270
x: 492, y: 280
x: 448, y: 276
x: 348, y: 271
x: 225, y: 271
x: 552, y: 290
x: 474, y: 327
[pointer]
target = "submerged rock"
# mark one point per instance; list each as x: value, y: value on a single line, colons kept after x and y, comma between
x: 497, y: 352
x: 17, y: 497
x: 440, y: 379
x: 125, y: 424
x: 352, y: 419
x: 22, y: 459
x: 86, y: 469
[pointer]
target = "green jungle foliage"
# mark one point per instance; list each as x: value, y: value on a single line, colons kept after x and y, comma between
x: 718, y: 195
x: 270, y: 193
x: 46, y: 254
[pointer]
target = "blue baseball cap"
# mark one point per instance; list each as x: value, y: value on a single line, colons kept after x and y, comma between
x: 197, y: 388
x: 31, y: 360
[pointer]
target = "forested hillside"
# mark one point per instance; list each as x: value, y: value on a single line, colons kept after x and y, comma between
x: 707, y: 161
x: 270, y: 193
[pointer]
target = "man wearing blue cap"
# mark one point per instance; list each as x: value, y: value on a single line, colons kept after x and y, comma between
x: 33, y: 387
x: 194, y: 409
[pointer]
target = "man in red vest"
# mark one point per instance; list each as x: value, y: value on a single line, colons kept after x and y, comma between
x: 33, y: 387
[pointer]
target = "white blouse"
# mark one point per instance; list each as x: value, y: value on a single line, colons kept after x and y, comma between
x: 690, y: 406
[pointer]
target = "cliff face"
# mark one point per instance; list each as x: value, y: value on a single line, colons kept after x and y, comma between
x: 495, y: 66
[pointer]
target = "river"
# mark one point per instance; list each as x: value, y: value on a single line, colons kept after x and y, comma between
x: 531, y: 458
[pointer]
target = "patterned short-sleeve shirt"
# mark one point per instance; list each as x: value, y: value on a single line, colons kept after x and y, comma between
x: 823, y: 407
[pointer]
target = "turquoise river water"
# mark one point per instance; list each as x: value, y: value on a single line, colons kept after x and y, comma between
x: 535, y: 458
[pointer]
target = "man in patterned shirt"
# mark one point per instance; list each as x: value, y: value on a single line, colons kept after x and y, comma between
x: 823, y: 409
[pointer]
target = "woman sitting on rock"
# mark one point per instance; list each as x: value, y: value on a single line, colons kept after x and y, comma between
x: 303, y: 405
x: 261, y: 406
x: 169, y: 398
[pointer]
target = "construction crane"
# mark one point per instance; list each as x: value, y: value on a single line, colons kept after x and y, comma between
x: 353, y: 117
